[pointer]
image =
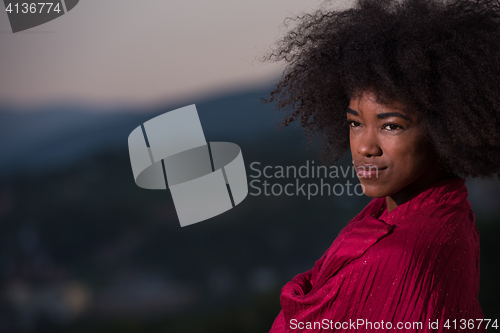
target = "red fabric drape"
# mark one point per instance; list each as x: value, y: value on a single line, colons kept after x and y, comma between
x: 419, y: 265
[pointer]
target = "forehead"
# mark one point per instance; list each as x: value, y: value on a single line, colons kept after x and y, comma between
x: 371, y: 100
x: 368, y: 103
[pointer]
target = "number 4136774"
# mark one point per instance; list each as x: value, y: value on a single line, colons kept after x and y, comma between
x: 470, y: 324
x: 33, y: 8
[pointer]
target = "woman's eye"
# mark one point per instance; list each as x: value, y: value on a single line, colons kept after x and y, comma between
x: 353, y: 123
x: 391, y: 127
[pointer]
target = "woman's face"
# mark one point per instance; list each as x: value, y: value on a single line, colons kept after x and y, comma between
x: 389, y: 150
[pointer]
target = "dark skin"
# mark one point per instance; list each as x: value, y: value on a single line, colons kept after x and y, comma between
x: 390, y: 152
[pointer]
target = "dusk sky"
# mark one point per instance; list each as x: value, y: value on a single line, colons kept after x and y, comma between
x: 142, y: 53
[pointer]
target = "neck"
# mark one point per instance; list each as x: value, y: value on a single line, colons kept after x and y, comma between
x: 438, y: 174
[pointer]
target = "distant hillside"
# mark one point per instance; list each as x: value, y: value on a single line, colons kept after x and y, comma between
x: 61, y: 136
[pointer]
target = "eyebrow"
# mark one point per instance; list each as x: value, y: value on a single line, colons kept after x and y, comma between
x: 382, y: 115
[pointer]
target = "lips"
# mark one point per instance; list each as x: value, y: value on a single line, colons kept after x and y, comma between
x: 369, y: 170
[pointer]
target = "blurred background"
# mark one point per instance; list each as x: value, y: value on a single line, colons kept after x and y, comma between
x: 83, y: 249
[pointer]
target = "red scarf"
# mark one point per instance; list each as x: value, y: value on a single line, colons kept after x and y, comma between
x: 418, y: 267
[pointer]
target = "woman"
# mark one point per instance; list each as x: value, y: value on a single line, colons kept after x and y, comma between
x: 418, y: 83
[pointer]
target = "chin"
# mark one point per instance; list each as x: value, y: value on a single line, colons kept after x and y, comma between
x: 373, y: 191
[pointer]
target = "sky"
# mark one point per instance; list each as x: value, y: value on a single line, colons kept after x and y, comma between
x: 142, y: 53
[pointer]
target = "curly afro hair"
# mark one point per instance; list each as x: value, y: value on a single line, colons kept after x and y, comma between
x: 440, y: 59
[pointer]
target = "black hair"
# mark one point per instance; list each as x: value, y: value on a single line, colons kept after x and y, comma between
x: 438, y: 58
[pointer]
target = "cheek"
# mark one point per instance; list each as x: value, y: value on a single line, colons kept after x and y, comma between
x: 411, y: 159
x: 352, y: 142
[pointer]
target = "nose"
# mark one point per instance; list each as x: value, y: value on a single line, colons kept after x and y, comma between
x: 368, y: 144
